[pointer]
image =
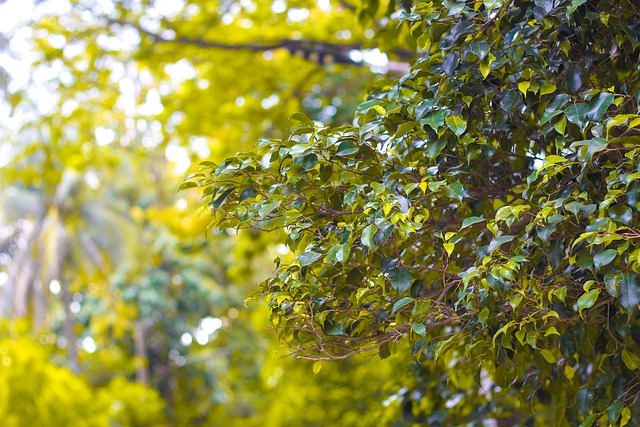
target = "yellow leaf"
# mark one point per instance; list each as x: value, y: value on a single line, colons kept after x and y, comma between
x: 625, y: 417
x: 523, y: 87
x: 449, y: 248
x: 317, y: 367
x: 548, y: 356
x: 547, y: 88
x: 569, y: 372
x: 423, y: 186
x: 380, y: 109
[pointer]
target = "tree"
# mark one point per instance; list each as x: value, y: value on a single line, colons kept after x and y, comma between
x: 54, y: 234
x: 120, y: 103
x: 484, y: 207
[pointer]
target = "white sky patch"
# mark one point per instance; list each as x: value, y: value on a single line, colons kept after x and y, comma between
x: 169, y: 8
x: 356, y: 55
x: 248, y: 5
x: 13, y: 12
x: 324, y: 5
x: 127, y: 99
x: 270, y: 102
x: 54, y: 287
x: 92, y: 179
x: 71, y: 50
x: 297, y: 14
x: 75, y: 307
x: 179, y: 156
x: 4, y: 278
x: 89, y: 344
x: 282, y: 249
x: 210, y: 324
x: 200, y: 146
x: 202, y: 337
x: 181, y: 204
x: 104, y: 136
x: 153, y: 104
x: 5, y: 151
x: 130, y: 37
x: 278, y: 6
x: 180, y: 72
x: 186, y: 339
x: 375, y: 57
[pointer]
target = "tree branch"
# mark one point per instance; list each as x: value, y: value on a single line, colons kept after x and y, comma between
x: 314, y: 50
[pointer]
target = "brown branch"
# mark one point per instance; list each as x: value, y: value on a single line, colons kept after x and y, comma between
x: 319, y: 51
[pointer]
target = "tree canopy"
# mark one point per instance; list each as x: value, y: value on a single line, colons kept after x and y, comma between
x: 482, y: 207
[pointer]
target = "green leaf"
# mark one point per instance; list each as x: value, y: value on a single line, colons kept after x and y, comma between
x: 424, y: 107
x: 368, y: 235
x: 338, y: 253
x: 435, y: 147
x: 267, y: 208
x: 302, y: 119
x: 400, y: 279
x: 596, y: 145
x: 401, y: 303
x: 188, y: 184
x: 457, y: 124
x: 573, y: 79
x: 456, y: 190
x: 499, y: 241
x: 599, y: 105
x: 435, y: 120
x: 587, y: 300
x: 346, y: 148
x: 614, y: 410
x: 419, y: 329
x: 332, y: 328
x: 626, y: 288
x: 577, y: 114
x: 604, y: 258
x: 468, y: 222
x: 308, y: 258
x: 584, y: 401
x: 631, y: 360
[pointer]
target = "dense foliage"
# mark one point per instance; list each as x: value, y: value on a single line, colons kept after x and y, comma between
x: 484, y: 206
x: 102, y: 268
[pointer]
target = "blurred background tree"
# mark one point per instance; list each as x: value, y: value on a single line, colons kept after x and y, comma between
x: 103, y: 272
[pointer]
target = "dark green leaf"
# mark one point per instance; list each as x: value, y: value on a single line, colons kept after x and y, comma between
x: 499, y: 241
x: 424, y: 107
x: 450, y: 63
x: 584, y: 401
x: 573, y: 79
x: 577, y: 114
x: 400, y: 279
x: 401, y: 303
x: 603, y: 258
x: 599, y: 105
x: 346, y: 148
